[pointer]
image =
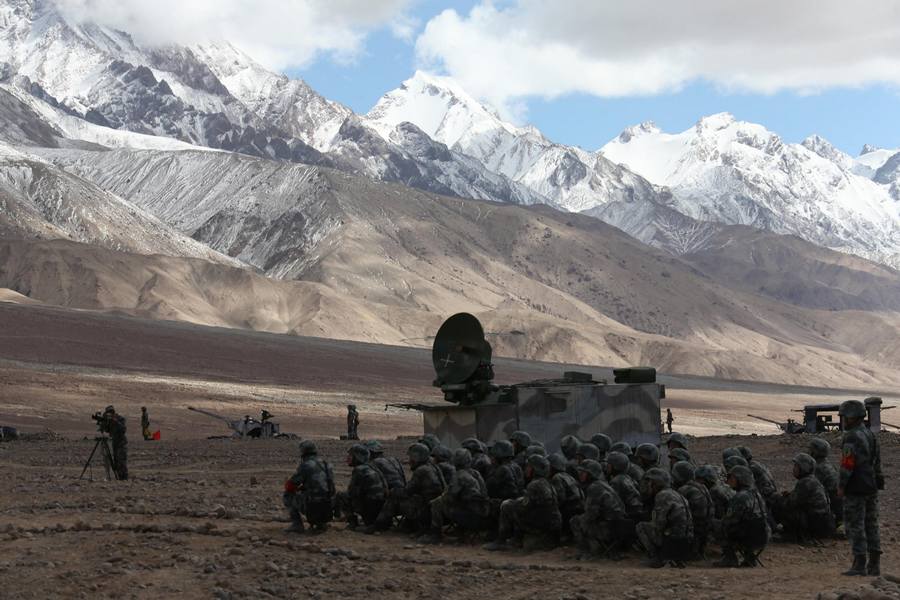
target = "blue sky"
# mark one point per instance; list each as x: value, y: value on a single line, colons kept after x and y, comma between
x: 849, y: 116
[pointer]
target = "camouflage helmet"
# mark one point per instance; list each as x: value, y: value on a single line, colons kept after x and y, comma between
x: 539, y: 464
x: 109, y: 409
x: 852, y: 408
x: 679, y: 454
x: 521, y: 438
x: 441, y: 453
x: 374, y: 447
x: 462, y: 459
x: 536, y: 449
x: 593, y: 469
x: 623, y: 447
x: 618, y: 462
x: 707, y: 474
x: 682, y: 472
x: 588, y: 451
x: 308, y: 447
x: 743, y: 475
x: 473, y: 445
x: 734, y: 461
x: 658, y: 477
x: 730, y: 452
x: 569, y: 445
x: 557, y: 462
x: 746, y: 453
x: 649, y: 453
x: 819, y: 448
x: 602, y: 441
x: 678, y: 439
x: 418, y: 453
x: 359, y: 454
x: 806, y: 463
x: 430, y: 440
x: 502, y: 449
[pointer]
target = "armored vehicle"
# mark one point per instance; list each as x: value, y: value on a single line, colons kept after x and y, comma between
x: 549, y: 409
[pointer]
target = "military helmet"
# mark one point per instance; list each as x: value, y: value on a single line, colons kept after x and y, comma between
x: 144, y: 409
x: 536, y: 449
x: 819, y: 448
x: 502, y: 449
x: 462, y: 458
x: 707, y: 474
x: 592, y: 468
x: 618, y: 461
x: 746, y: 453
x: 602, y: 441
x: 852, y: 408
x: 441, y: 453
x: 678, y: 439
x: 743, y: 475
x: 623, y: 447
x: 430, y: 440
x: 473, y: 445
x: 730, y: 452
x: 569, y: 445
x: 522, y: 438
x: 374, y: 447
x: 418, y: 453
x: 588, y: 451
x: 359, y: 454
x: 682, y: 472
x: 109, y: 409
x: 539, y: 464
x: 806, y: 463
x: 734, y: 461
x: 648, y: 452
x: 658, y: 477
x: 557, y: 462
x: 308, y: 447
x: 679, y: 454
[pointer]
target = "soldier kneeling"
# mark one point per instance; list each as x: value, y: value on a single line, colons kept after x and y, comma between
x: 413, y: 503
x: 310, y: 491
x: 668, y: 536
x: 465, y: 503
x: 805, y: 512
x: 745, y: 528
x: 603, y: 527
x: 535, y: 515
x: 367, y: 490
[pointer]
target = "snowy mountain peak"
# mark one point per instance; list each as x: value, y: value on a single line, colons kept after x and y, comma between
x: 635, y: 130
x: 716, y: 122
x: 826, y: 150
x: 868, y: 149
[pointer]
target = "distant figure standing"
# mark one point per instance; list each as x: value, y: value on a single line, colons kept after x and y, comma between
x: 669, y: 419
x: 145, y: 424
x: 114, y: 424
x: 352, y: 422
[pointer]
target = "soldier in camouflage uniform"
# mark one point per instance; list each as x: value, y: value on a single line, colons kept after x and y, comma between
x: 389, y: 467
x: 535, y: 448
x: 860, y: 480
x: 617, y: 473
x: 310, y: 491
x: 646, y: 456
x: 735, y: 461
x: 603, y: 443
x: 827, y: 475
x: 520, y: 441
x: 506, y: 480
x: 588, y: 451
x: 679, y: 440
x: 442, y: 456
x: 536, y: 514
x: 603, y: 521
x: 700, y: 501
x: 569, y: 447
x: 569, y: 493
x: 678, y: 454
x: 765, y: 483
x: 805, y: 512
x: 430, y: 441
x: 367, y: 491
x: 720, y: 493
x: 481, y: 462
x: 413, y: 502
x: 729, y: 452
x: 670, y: 524
x: 465, y: 503
x: 352, y: 422
x: 745, y: 528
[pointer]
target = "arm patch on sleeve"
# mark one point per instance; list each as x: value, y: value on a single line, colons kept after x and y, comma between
x: 848, y: 462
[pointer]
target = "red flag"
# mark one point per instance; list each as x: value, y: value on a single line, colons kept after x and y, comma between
x: 156, y: 435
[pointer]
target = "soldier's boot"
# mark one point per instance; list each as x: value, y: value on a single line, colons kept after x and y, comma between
x: 858, y: 567
x: 296, y: 527
x: 728, y: 560
x: 874, y: 566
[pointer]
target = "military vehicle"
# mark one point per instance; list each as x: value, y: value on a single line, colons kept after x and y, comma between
x: 248, y: 427
x: 548, y: 409
x: 821, y: 418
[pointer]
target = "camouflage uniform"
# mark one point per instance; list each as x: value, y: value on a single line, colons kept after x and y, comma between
x: 389, y: 467
x: 805, y: 512
x: 719, y: 493
x: 617, y: 465
x: 367, y: 491
x: 860, y: 480
x: 569, y: 493
x: 537, y: 512
x: 603, y: 520
x: 441, y: 456
x: 413, y: 502
x: 481, y: 462
x: 310, y: 490
x: 745, y: 528
x: 765, y: 483
x: 352, y: 422
x: 679, y: 440
x: 670, y: 521
x: 603, y: 443
x: 569, y: 447
x: 827, y: 475
x: 465, y: 503
x: 520, y: 441
x: 699, y: 500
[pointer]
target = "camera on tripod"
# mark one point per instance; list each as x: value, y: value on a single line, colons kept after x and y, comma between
x: 102, y: 420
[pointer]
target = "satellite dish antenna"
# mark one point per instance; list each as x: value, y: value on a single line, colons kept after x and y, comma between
x: 459, y: 350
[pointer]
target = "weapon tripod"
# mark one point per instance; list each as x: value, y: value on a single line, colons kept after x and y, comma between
x: 102, y: 442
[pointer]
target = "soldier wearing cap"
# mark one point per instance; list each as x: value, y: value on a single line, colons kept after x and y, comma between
x: 860, y: 480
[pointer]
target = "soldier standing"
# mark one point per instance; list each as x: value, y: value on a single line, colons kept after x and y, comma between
x: 860, y: 480
x: 145, y: 424
x: 115, y: 425
x: 669, y: 419
x: 310, y: 491
x: 352, y: 422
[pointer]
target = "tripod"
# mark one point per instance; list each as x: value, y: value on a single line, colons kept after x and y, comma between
x: 102, y: 442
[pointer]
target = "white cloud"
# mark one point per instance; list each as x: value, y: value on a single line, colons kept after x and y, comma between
x: 277, y: 33
x: 502, y: 52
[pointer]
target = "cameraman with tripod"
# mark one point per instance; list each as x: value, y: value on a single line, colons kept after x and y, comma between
x: 114, y: 424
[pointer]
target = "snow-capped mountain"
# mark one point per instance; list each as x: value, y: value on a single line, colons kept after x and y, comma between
x: 732, y: 172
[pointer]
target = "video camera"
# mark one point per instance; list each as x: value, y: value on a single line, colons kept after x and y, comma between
x: 102, y: 420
